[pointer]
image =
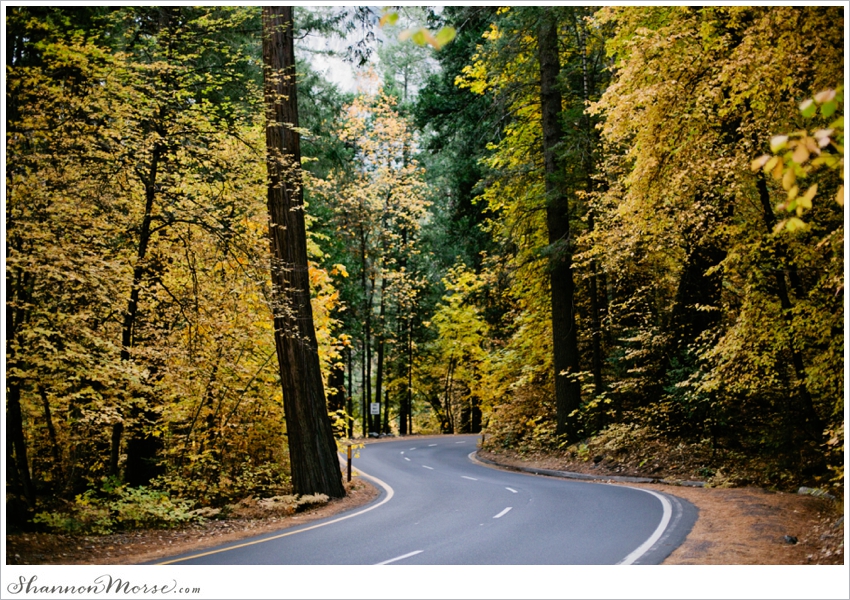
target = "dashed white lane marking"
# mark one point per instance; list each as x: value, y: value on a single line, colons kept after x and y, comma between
x: 503, y: 513
x: 470, y: 478
x: 460, y: 442
x: 407, y: 459
x: 427, y: 467
x: 413, y: 448
x: 431, y: 445
x: 402, y: 451
x: 403, y: 556
x: 511, y: 490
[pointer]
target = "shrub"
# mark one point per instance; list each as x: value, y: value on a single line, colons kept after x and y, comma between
x: 114, y: 507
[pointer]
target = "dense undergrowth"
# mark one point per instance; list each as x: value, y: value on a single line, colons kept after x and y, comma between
x: 642, y: 450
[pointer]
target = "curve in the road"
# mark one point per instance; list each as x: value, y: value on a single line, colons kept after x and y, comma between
x: 656, y: 535
x: 447, y: 509
x: 387, y: 496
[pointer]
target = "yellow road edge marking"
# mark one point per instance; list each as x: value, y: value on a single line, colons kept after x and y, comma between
x: 387, y: 488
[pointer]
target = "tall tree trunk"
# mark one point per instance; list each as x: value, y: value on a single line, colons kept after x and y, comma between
x: 19, y: 290
x: 364, y: 396
x: 402, y: 333
x: 368, y: 292
x: 379, y: 378
x: 595, y: 322
x: 406, y: 397
x: 386, y: 412
x: 564, y: 338
x: 349, y: 402
x: 447, y: 425
x: 336, y: 387
x: 812, y: 423
x: 409, y: 403
x: 141, y: 447
x: 16, y: 443
x: 587, y: 168
x: 312, y: 449
x: 55, y: 449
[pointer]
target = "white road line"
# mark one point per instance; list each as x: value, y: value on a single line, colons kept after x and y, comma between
x: 511, y: 490
x: 427, y: 467
x: 503, y: 513
x: 460, y: 442
x: 413, y: 448
x: 666, y: 516
x: 402, y: 451
x: 659, y: 531
x: 403, y: 556
x: 390, y: 493
x: 470, y: 478
x: 407, y: 459
x: 431, y: 445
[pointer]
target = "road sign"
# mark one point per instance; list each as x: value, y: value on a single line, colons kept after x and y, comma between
x: 374, y: 408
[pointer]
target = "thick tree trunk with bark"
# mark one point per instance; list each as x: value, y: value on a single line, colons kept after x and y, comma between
x: 564, y: 338
x: 312, y: 449
x: 16, y: 446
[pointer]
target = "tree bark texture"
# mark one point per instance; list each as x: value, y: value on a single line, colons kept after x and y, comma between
x: 312, y: 449
x: 564, y: 338
x: 16, y: 443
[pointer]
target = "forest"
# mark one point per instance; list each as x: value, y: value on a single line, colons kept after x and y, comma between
x: 554, y: 226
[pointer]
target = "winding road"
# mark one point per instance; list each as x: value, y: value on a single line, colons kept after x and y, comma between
x: 438, y: 506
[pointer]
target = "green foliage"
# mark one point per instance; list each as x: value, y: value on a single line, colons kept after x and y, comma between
x: 118, y: 507
x: 134, y: 180
x: 268, y: 478
x: 145, y: 508
x: 716, y: 324
x: 83, y: 517
x: 805, y: 154
x: 149, y: 119
x: 458, y: 354
x: 739, y: 364
x: 420, y: 35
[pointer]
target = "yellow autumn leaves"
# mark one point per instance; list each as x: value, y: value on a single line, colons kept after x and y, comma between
x: 800, y: 154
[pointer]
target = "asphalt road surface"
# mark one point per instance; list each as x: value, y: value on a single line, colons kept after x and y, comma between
x: 440, y: 507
